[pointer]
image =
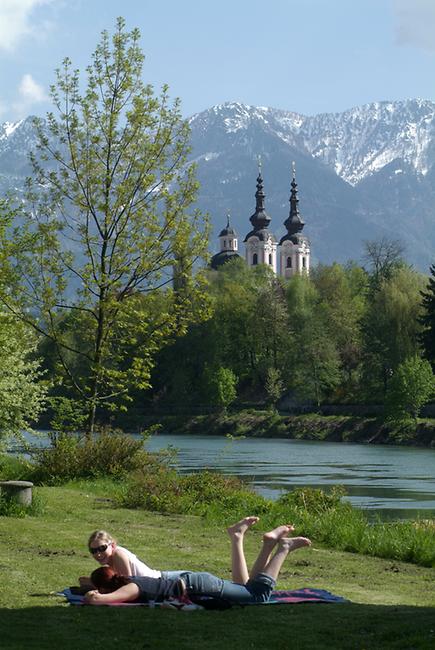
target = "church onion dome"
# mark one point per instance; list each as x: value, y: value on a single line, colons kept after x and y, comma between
x: 263, y: 235
x: 223, y: 256
x: 294, y: 223
x: 296, y: 239
x: 260, y: 219
x: 228, y: 231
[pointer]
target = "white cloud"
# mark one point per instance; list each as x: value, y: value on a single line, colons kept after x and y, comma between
x: 16, y: 21
x: 415, y: 23
x: 30, y: 93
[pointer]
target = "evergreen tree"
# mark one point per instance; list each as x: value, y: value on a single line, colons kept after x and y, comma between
x: 427, y: 318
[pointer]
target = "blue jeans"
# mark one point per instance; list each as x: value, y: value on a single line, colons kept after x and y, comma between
x: 204, y: 584
x: 172, y: 575
x: 256, y: 590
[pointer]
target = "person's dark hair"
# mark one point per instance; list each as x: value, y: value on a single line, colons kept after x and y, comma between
x: 105, y: 578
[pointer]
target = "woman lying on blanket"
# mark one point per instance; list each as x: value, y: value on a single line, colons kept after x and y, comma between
x: 113, y: 588
x: 107, y: 552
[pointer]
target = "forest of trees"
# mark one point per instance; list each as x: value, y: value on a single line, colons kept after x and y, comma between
x: 343, y: 335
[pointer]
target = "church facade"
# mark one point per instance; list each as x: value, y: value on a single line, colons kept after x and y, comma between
x: 287, y: 257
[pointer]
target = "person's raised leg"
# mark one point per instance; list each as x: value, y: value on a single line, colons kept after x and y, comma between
x: 286, y: 545
x: 270, y: 540
x: 239, y: 569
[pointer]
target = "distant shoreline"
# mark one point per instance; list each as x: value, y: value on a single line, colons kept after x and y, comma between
x: 312, y: 426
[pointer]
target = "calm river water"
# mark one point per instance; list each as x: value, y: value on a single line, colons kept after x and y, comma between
x: 394, y: 482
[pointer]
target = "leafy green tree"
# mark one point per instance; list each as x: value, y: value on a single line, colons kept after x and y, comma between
x: 427, y: 318
x: 107, y: 220
x: 314, y: 362
x: 317, y: 367
x: 250, y: 321
x: 219, y: 386
x: 274, y: 386
x: 342, y: 299
x: 234, y: 290
x: 22, y: 391
x: 391, y: 329
x: 410, y: 388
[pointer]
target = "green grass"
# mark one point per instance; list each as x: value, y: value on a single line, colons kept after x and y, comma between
x: 393, y: 603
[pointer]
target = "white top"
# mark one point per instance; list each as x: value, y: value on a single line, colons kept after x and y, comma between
x: 137, y: 567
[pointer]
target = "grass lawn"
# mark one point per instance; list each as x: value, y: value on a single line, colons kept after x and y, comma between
x: 392, y: 603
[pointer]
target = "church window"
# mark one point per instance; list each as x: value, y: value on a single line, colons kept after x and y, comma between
x: 254, y: 259
x: 289, y: 262
x: 225, y: 243
x: 304, y: 262
x: 270, y: 260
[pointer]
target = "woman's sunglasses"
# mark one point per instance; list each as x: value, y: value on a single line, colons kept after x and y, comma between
x: 98, y: 549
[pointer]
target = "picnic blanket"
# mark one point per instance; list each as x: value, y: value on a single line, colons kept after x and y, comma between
x: 278, y: 597
x: 306, y: 595
x: 173, y: 603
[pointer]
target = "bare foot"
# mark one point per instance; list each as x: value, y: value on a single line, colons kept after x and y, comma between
x: 290, y: 544
x: 240, y: 528
x: 277, y: 533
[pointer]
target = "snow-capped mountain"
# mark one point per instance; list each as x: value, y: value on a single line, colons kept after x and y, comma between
x: 362, y: 174
x: 16, y: 141
x: 361, y: 141
x: 365, y: 173
x: 355, y: 144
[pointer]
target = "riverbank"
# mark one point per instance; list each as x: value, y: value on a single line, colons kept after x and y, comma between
x: 392, y: 603
x: 267, y: 424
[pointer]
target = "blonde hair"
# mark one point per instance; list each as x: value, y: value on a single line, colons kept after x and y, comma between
x: 100, y: 536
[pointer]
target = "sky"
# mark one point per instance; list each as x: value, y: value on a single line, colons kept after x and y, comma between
x: 307, y: 56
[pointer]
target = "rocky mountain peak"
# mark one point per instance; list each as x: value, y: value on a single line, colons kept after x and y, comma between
x: 364, y: 173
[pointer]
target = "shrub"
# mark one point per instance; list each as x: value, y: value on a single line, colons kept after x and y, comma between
x: 109, y: 454
x: 314, y: 501
x: 202, y: 493
x: 210, y: 492
x: 156, y: 489
x: 14, y: 468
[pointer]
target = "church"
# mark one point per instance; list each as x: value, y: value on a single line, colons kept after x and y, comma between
x: 287, y: 257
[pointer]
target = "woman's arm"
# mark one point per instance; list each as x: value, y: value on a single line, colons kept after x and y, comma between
x: 124, y: 594
x: 120, y: 563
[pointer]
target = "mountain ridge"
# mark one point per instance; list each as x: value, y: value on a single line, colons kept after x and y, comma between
x: 363, y: 173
